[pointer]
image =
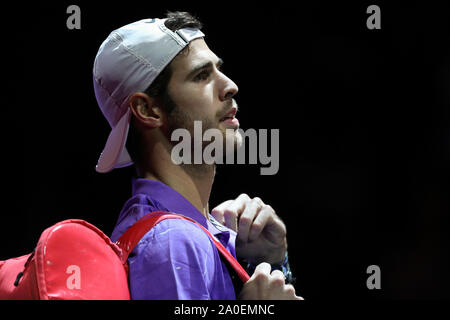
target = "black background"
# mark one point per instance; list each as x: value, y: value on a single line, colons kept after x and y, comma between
x: 364, y: 119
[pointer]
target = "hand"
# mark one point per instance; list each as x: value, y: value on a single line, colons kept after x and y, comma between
x: 261, y: 235
x: 265, y: 286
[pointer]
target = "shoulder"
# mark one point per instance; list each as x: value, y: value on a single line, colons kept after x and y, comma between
x: 135, y: 208
x: 179, y: 236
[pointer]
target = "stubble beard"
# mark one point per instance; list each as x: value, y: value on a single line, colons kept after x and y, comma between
x: 178, y: 118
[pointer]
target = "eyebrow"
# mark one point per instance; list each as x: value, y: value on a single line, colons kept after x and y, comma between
x: 202, y: 66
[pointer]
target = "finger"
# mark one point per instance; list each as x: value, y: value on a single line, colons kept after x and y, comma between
x: 262, y: 269
x: 277, y: 273
x: 218, y: 211
x: 290, y: 292
x: 246, y: 219
x: 267, y: 219
x: 278, y: 278
x: 238, y: 205
x: 230, y: 219
x: 259, y: 223
x: 261, y: 276
x: 233, y: 210
x: 289, y: 289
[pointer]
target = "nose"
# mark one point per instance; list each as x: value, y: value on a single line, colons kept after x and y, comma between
x: 228, y: 89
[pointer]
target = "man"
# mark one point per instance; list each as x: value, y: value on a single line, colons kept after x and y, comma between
x: 150, y: 78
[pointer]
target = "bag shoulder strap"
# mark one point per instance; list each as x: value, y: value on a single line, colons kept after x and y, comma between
x: 130, y: 238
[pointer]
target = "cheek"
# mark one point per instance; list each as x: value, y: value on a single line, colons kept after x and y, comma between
x: 202, y: 97
x: 201, y: 104
x: 197, y: 100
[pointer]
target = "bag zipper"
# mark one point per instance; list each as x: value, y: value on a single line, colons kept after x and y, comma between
x: 20, y: 274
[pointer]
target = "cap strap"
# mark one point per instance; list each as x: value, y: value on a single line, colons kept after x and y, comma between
x: 189, y: 34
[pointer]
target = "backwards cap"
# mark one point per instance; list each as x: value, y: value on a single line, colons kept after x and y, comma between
x: 128, y: 61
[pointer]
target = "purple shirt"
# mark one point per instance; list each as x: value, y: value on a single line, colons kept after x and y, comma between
x: 176, y: 259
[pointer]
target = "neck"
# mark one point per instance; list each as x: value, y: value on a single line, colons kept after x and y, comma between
x: 194, y: 182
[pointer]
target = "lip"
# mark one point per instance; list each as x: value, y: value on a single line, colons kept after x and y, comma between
x: 229, y: 118
x: 231, y: 121
x: 230, y: 114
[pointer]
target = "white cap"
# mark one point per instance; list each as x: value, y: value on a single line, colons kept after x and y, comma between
x: 127, y: 62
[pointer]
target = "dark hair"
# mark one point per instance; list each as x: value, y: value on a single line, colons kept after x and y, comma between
x: 158, y: 88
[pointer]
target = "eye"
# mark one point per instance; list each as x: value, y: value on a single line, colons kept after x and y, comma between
x: 202, y: 76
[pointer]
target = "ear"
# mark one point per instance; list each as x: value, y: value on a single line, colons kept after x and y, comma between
x: 146, y: 110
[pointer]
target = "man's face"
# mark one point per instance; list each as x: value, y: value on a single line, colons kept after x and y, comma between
x: 201, y: 92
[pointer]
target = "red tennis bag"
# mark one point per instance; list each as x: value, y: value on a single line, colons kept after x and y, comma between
x: 75, y: 260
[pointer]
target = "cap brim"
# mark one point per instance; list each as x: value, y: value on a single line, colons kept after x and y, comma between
x: 114, y: 154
